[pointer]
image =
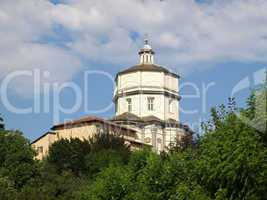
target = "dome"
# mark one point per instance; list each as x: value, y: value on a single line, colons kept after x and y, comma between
x: 146, y: 91
x: 147, y: 67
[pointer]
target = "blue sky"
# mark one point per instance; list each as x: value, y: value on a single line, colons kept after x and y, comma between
x: 215, y: 43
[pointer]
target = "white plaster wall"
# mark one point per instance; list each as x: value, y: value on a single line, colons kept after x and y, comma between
x: 171, y: 83
x: 129, y: 80
x: 158, y: 137
x: 123, y: 105
x: 147, y: 78
x: 140, y: 105
x: 158, y: 108
x: 175, y: 113
x: 152, y: 79
x: 148, y: 81
x: 172, y: 135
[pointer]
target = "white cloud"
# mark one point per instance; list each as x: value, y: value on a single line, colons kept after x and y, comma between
x: 185, y: 34
x: 22, y: 26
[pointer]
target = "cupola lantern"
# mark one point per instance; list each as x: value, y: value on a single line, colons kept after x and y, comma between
x: 146, y: 54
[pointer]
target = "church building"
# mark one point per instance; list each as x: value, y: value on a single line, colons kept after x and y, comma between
x: 146, y: 101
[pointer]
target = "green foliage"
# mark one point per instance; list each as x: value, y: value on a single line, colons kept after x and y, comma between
x: 88, y: 156
x: 139, y: 160
x: 51, y: 185
x: 229, y: 162
x: 96, y: 161
x: 7, y: 189
x: 69, y: 154
x: 189, y: 191
x: 109, y: 146
x: 112, y: 183
x: 256, y: 112
x: 16, y: 158
x: 108, y: 141
x: 232, y: 157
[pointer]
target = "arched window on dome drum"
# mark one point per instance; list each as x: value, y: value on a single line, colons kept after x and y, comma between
x: 171, y: 109
x: 150, y: 103
x: 116, y: 107
x: 129, y: 104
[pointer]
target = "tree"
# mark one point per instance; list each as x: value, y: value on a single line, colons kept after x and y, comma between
x: 16, y: 158
x: 52, y: 185
x: 7, y: 189
x: 112, y: 183
x: 186, y: 141
x: 87, y: 156
x: 232, y: 158
x: 256, y: 112
x: 97, y: 161
x: 109, y: 141
x: 69, y: 155
x: 189, y: 191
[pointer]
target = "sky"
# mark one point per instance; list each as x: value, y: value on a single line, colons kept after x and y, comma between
x: 81, y: 45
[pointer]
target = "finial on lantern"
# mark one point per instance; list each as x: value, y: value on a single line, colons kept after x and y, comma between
x: 146, y: 39
x: 146, y: 45
x: 146, y: 53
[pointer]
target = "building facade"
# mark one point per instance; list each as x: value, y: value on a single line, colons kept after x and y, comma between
x: 84, y: 128
x: 146, y: 101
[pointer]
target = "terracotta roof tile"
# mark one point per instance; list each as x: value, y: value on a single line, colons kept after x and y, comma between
x: 88, y: 119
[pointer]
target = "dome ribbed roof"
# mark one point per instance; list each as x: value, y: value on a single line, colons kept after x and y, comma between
x: 147, y: 67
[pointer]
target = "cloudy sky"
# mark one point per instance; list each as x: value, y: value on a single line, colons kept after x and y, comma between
x: 212, y: 41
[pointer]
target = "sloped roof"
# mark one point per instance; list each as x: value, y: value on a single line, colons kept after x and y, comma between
x: 151, y: 118
x: 130, y: 117
x: 88, y: 119
x: 147, y: 67
x: 45, y: 134
x: 180, y: 125
x: 127, y: 116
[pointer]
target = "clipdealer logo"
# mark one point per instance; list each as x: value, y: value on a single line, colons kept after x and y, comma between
x: 256, y: 80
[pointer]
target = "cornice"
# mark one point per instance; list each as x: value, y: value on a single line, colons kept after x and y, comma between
x: 151, y: 92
